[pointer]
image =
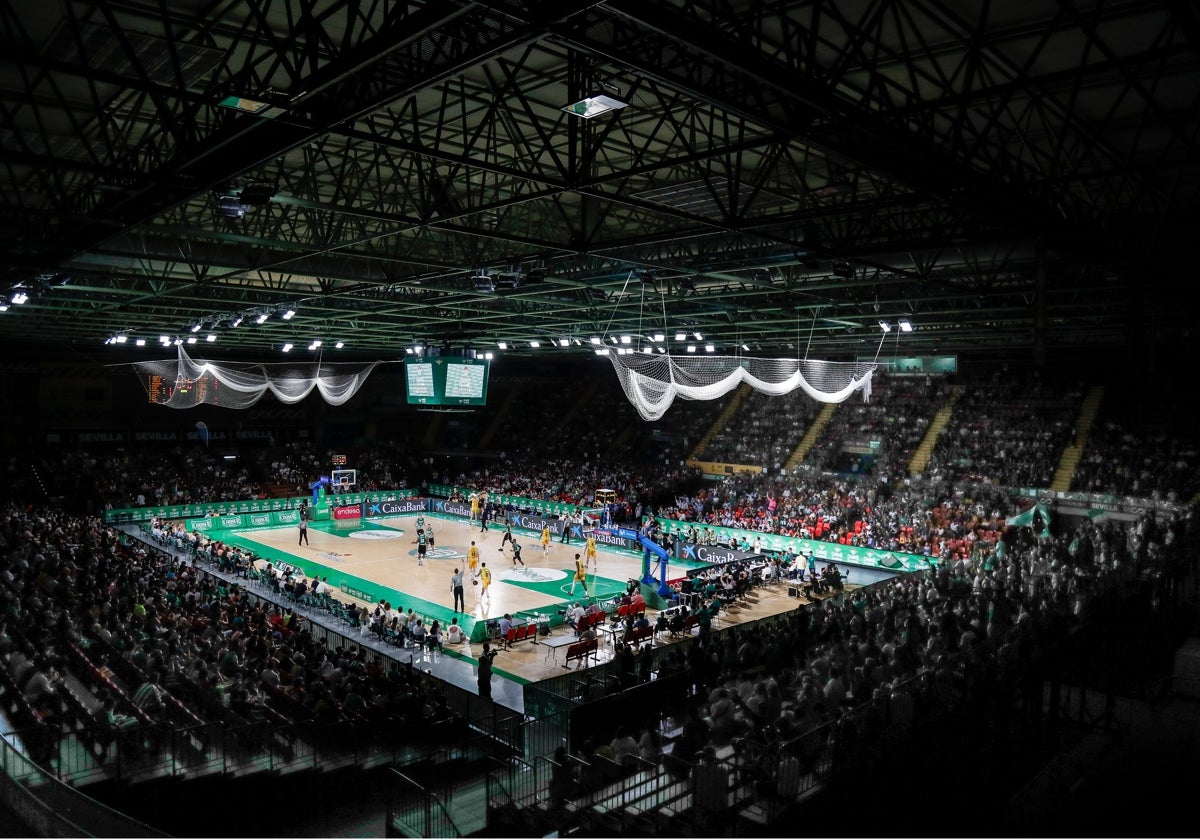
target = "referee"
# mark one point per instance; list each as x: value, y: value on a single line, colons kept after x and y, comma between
x: 456, y: 589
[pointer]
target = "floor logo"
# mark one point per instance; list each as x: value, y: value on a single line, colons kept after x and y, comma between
x: 529, y: 575
x: 375, y: 535
x: 438, y: 553
x: 332, y: 556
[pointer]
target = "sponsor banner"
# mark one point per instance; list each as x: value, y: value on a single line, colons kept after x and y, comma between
x: 347, y: 512
x: 286, y: 517
x: 825, y: 551
x: 246, y: 506
x: 151, y: 437
x: 451, y: 508
x: 394, y: 507
x: 537, y: 523
x: 234, y: 521
x: 710, y: 553
x: 199, y: 524
x: 259, y: 519
x: 101, y: 437
x: 609, y: 538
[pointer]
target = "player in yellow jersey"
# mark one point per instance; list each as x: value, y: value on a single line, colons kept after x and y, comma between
x: 485, y: 580
x: 589, y: 553
x: 474, y: 506
x: 545, y: 540
x: 473, y: 560
x: 580, y: 576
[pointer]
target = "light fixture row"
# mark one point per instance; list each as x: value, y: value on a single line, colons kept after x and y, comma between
x: 169, y: 341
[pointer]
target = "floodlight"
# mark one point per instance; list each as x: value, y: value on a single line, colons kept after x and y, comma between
x: 708, y: 348
x: 141, y: 342
x: 905, y: 325
x: 885, y: 326
x: 287, y: 347
x: 121, y: 339
x: 746, y: 347
x: 594, y: 106
x: 3, y: 307
x: 210, y: 337
x: 691, y: 348
x: 314, y: 345
x: 196, y: 328
x: 680, y: 336
x: 647, y: 349
x: 564, y: 342
x: 488, y: 355
x: 191, y: 339
x: 594, y: 339
x: 262, y: 319
x: 626, y: 339
x: 503, y: 345
x: 698, y: 336
x: 339, y: 345
x: 535, y: 344
x: 659, y: 337
x: 19, y: 297
x: 237, y: 322
x: 408, y: 350
x: 165, y: 339
x: 287, y: 316
x: 601, y: 351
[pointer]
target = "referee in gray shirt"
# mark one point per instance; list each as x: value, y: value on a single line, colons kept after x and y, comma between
x: 456, y: 589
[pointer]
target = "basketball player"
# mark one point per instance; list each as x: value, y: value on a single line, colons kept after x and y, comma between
x: 474, y: 507
x: 473, y: 560
x: 508, y: 537
x: 589, y: 553
x: 485, y: 580
x: 545, y: 540
x: 517, y: 553
x: 421, y: 542
x: 580, y: 576
x: 429, y: 532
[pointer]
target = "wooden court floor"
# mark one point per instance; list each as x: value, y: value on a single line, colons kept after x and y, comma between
x: 377, y: 558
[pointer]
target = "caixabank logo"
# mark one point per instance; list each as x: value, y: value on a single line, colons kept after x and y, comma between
x: 712, y: 554
x: 394, y: 508
x: 452, y: 508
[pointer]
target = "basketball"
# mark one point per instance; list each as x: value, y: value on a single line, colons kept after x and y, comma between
x: 474, y: 583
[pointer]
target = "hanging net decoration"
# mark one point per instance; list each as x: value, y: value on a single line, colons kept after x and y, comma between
x: 186, y: 383
x: 653, y: 382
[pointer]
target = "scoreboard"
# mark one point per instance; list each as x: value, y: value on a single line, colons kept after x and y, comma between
x: 446, y: 381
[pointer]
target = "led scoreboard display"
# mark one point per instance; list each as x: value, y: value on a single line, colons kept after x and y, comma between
x: 446, y: 381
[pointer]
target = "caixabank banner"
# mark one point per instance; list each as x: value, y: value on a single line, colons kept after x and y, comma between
x: 395, y: 508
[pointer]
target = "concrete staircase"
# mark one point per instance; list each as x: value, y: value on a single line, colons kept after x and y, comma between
x: 1073, y: 452
x: 811, y: 436
x: 924, y: 451
x: 722, y: 421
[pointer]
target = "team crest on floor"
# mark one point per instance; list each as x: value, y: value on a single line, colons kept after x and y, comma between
x: 529, y: 575
x: 439, y: 553
x: 375, y: 535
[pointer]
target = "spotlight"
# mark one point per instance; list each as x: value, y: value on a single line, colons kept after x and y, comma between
x: 287, y: 316
x: 3, y: 307
x: 141, y: 342
x: 237, y: 322
x: 262, y: 319
x: 647, y: 349
x: 746, y: 348
x: 210, y: 337
x: 691, y: 348
x: 287, y: 347
x: 680, y: 336
x: 19, y: 297
x: 488, y: 355
x: 121, y: 339
x: 314, y: 345
x: 339, y: 345
x: 165, y: 339
x: 698, y: 336
x: 564, y: 342
x: 708, y: 348
x: 178, y: 342
x: 191, y: 339
x: 535, y: 344
x: 905, y: 325
x: 594, y: 339
x: 659, y: 337
x: 885, y: 326
x: 408, y: 350
x: 196, y: 328
x: 601, y: 351
x: 503, y: 345
x: 626, y: 339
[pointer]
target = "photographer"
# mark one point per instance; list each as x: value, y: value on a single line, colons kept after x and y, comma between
x: 485, y: 671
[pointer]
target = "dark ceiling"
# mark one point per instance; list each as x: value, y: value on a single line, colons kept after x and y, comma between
x: 1016, y: 177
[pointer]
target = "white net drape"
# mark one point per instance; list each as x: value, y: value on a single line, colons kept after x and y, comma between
x: 185, y: 382
x: 653, y: 382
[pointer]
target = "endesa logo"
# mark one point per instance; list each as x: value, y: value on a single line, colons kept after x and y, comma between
x: 452, y: 508
x: 393, y: 508
x: 348, y: 512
